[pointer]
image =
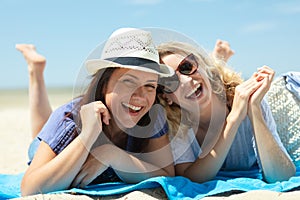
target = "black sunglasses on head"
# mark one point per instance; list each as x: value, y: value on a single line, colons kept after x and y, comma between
x: 187, y: 66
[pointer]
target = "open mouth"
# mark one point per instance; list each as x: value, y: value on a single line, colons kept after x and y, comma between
x: 195, y: 92
x: 132, y: 108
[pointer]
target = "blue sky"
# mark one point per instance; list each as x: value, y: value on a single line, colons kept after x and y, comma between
x: 65, y: 31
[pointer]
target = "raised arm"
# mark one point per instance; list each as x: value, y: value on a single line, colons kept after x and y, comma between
x: 276, y: 164
x: 205, y: 168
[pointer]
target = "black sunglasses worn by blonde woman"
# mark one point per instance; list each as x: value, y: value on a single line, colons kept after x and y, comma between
x: 187, y: 66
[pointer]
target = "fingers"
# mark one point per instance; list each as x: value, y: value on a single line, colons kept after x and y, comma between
x: 265, y: 70
x: 95, y: 109
x: 87, y: 174
x: 264, y: 76
x: 93, y: 115
x: 248, y: 87
x: 81, y: 180
x: 265, y: 81
x: 101, y: 109
x: 78, y: 179
x: 243, y: 93
x: 91, y: 176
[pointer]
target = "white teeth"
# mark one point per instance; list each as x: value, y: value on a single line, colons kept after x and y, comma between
x: 135, y: 108
x: 193, y: 90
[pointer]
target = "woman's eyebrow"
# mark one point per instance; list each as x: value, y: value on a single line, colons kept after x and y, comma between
x: 137, y: 78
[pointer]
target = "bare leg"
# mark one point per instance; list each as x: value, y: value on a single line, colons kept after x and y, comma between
x: 39, y: 105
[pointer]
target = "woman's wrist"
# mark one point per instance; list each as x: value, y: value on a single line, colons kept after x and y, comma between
x: 87, y: 138
x: 233, y: 118
x: 254, y: 110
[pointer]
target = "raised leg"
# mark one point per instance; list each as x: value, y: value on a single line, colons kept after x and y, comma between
x: 39, y: 105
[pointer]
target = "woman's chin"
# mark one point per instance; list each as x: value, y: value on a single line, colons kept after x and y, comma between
x: 126, y: 124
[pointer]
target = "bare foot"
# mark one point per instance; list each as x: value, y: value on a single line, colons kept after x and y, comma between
x: 36, y: 62
x: 222, y: 50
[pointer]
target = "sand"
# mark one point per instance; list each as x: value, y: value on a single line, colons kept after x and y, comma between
x: 15, y: 139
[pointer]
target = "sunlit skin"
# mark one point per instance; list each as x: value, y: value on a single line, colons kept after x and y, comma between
x: 194, y: 92
x: 215, y: 118
x: 222, y: 50
x: 36, y: 64
x: 130, y: 94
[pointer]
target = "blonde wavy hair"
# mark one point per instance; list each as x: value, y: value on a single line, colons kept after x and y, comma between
x: 222, y: 78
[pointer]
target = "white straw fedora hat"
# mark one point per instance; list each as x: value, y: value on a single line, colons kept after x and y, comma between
x: 130, y: 48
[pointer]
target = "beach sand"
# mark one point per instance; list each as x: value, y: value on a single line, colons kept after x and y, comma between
x: 15, y: 139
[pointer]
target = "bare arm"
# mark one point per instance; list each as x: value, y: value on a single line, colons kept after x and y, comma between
x: 48, y: 171
x: 130, y: 168
x: 276, y: 164
x: 206, y: 168
x: 157, y: 162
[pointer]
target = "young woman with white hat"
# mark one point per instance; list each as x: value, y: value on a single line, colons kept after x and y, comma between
x: 112, y: 132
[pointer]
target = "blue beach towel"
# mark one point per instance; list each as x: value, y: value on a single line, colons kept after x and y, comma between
x: 175, y: 187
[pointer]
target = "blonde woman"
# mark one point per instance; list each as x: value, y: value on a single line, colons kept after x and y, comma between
x: 217, y: 120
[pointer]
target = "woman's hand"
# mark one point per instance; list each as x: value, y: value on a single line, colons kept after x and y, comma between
x: 96, y: 163
x: 49, y: 171
x: 241, y: 98
x: 92, y: 116
x: 275, y: 162
x: 264, y: 75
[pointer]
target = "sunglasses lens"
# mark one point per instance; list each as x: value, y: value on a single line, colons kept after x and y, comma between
x: 188, y: 65
x: 169, y: 84
x: 185, y: 68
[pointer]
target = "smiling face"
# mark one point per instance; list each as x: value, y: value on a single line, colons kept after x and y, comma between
x: 130, y: 95
x: 193, y: 89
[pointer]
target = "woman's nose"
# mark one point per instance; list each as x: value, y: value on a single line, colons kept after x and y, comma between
x: 140, y: 92
x: 184, y: 78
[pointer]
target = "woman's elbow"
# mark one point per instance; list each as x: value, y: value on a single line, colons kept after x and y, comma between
x: 31, y: 185
x: 284, y: 175
x: 290, y: 172
x: 26, y: 187
x: 197, y: 176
